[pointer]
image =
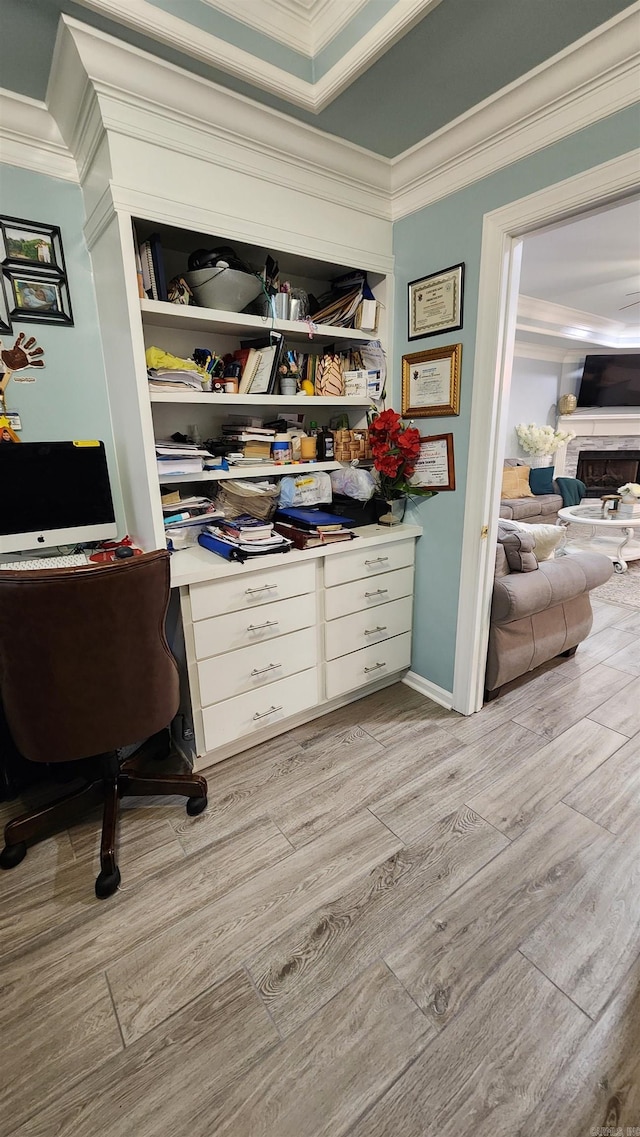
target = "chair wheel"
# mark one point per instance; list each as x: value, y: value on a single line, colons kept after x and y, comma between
x: 106, y: 883
x: 11, y: 855
x: 196, y: 805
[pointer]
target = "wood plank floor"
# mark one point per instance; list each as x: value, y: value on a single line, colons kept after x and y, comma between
x: 391, y: 922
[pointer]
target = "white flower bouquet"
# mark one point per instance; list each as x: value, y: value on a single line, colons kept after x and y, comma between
x: 540, y: 440
x: 630, y: 490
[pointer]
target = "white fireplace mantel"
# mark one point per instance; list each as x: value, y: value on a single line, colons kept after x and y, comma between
x: 616, y: 430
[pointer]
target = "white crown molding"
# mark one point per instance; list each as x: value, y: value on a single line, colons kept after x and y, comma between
x: 546, y: 352
x: 305, y: 27
x: 133, y: 95
x: 542, y: 317
x: 177, y: 33
x: 591, y: 79
x: 30, y: 138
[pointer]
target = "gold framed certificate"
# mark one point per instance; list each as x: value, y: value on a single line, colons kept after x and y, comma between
x: 435, y: 467
x: 435, y: 303
x: 431, y: 382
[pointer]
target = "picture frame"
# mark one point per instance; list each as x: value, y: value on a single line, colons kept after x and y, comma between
x: 37, y: 297
x: 435, y: 467
x: 435, y: 303
x: 431, y: 382
x: 31, y: 245
x: 5, y: 323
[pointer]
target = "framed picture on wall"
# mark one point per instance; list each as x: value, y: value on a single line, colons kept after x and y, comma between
x: 5, y: 323
x: 34, y: 274
x: 431, y: 382
x: 37, y: 297
x: 435, y: 303
x: 435, y: 469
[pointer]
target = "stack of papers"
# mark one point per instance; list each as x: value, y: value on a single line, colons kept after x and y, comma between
x: 176, y: 458
x: 165, y: 378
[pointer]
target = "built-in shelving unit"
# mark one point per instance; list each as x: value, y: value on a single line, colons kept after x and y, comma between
x: 158, y: 313
x: 284, y: 402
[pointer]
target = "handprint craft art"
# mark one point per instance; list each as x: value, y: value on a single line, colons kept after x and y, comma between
x: 25, y: 353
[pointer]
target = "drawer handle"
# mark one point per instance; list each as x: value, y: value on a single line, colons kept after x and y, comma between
x: 269, y: 667
x: 263, y: 714
x: 262, y: 588
x: 372, y: 631
x: 378, y: 592
x: 377, y: 561
x: 375, y: 667
x: 258, y: 627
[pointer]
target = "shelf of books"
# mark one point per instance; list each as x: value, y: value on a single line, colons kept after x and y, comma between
x: 267, y: 470
x: 161, y: 314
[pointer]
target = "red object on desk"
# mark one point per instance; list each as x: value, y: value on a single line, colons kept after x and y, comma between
x: 108, y: 551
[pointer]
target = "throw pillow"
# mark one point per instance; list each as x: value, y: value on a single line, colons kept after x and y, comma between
x: 541, y: 480
x: 518, y: 548
x: 545, y: 538
x: 515, y: 483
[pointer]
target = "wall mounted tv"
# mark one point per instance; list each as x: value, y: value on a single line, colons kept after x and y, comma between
x: 610, y: 381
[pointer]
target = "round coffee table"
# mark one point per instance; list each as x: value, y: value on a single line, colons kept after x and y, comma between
x: 612, y: 536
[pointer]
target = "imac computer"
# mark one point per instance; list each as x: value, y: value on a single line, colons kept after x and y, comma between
x: 54, y: 493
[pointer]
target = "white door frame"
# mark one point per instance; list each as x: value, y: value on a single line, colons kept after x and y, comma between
x: 496, y: 322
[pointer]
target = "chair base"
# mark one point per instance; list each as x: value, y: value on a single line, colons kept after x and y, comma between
x: 114, y: 782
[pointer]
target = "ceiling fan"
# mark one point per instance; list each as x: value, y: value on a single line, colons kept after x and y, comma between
x: 632, y: 302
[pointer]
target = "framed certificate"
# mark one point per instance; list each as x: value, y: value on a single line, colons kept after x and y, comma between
x: 435, y: 467
x: 435, y: 303
x: 431, y: 382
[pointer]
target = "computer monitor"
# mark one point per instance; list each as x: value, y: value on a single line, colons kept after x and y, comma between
x: 54, y: 493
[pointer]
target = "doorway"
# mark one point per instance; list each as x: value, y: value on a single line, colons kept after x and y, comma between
x: 503, y: 232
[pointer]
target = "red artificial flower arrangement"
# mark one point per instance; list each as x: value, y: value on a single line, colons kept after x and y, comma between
x: 395, y: 448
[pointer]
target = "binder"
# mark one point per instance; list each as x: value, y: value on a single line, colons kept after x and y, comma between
x: 311, y: 519
x: 157, y: 261
x: 231, y: 552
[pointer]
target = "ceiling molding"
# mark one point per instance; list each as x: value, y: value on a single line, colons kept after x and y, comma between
x: 305, y: 27
x: 591, y: 79
x: 548, y: 353
x: 145, y: 18
x: 30, y: 138
x: 543, y: 317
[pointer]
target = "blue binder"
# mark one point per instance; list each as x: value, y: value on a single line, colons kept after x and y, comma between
x: 232, y: 552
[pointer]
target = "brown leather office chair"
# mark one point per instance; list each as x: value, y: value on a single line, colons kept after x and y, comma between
x: 85, y: 669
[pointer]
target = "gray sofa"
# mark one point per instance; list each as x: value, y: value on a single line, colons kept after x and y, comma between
x: 539, y: 614
x: 539, y: 510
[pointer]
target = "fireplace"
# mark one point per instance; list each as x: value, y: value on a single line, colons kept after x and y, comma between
x: 604, y: 471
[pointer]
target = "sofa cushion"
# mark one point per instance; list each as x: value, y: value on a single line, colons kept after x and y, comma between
x: 518, y: 547
x: 515, y: 483
x: 524, y: 507
x: 541, y: 480
x: 546, y: 538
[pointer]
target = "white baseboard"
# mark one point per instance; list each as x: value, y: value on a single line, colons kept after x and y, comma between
x: 430, y: 690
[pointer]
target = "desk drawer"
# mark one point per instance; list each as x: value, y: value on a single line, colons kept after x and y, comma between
x: 360, y: 595
x: 367, y: 562
x: 240, y: 629
x: 242, y: 716
x: 251, y: 668
x: 249, y: 590
x: 364, y: 628
x: 368, y: 665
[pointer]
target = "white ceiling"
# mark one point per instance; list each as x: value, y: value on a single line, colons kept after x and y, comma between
x: 587, y: 274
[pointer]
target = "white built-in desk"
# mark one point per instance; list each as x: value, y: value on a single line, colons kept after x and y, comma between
x: 280, y: 640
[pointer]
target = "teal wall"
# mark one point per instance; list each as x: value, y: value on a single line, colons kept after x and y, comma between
x: 443, y: 234
x: 69, y: 398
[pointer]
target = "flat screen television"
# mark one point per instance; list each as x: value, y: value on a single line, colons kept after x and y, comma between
x: 610, y: 381
x: 54, y: 493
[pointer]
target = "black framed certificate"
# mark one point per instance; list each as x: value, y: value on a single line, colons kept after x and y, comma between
x: 435, y: 303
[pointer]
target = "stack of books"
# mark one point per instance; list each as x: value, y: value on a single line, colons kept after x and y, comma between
x: 170, y: 379
x: 310, y: 528
x: 175, y: 458
x: 245, y: 535
x: 249, y: 445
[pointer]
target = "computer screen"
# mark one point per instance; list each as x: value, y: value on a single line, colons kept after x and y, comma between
x: 54, y: 493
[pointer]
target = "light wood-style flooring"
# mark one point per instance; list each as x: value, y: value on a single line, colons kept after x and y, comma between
x: 390, y: 922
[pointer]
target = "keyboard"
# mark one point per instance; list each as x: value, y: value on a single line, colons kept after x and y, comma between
x: 71, y: 560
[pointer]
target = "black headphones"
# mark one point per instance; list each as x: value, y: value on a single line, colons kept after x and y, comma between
x: 216, y: 258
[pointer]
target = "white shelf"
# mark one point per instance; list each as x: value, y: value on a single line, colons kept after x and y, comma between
x: 164, y: 315
x: 267, y: 470
x: 297, y: 401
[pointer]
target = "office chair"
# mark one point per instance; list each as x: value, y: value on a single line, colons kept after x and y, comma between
x: 86, y: 670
